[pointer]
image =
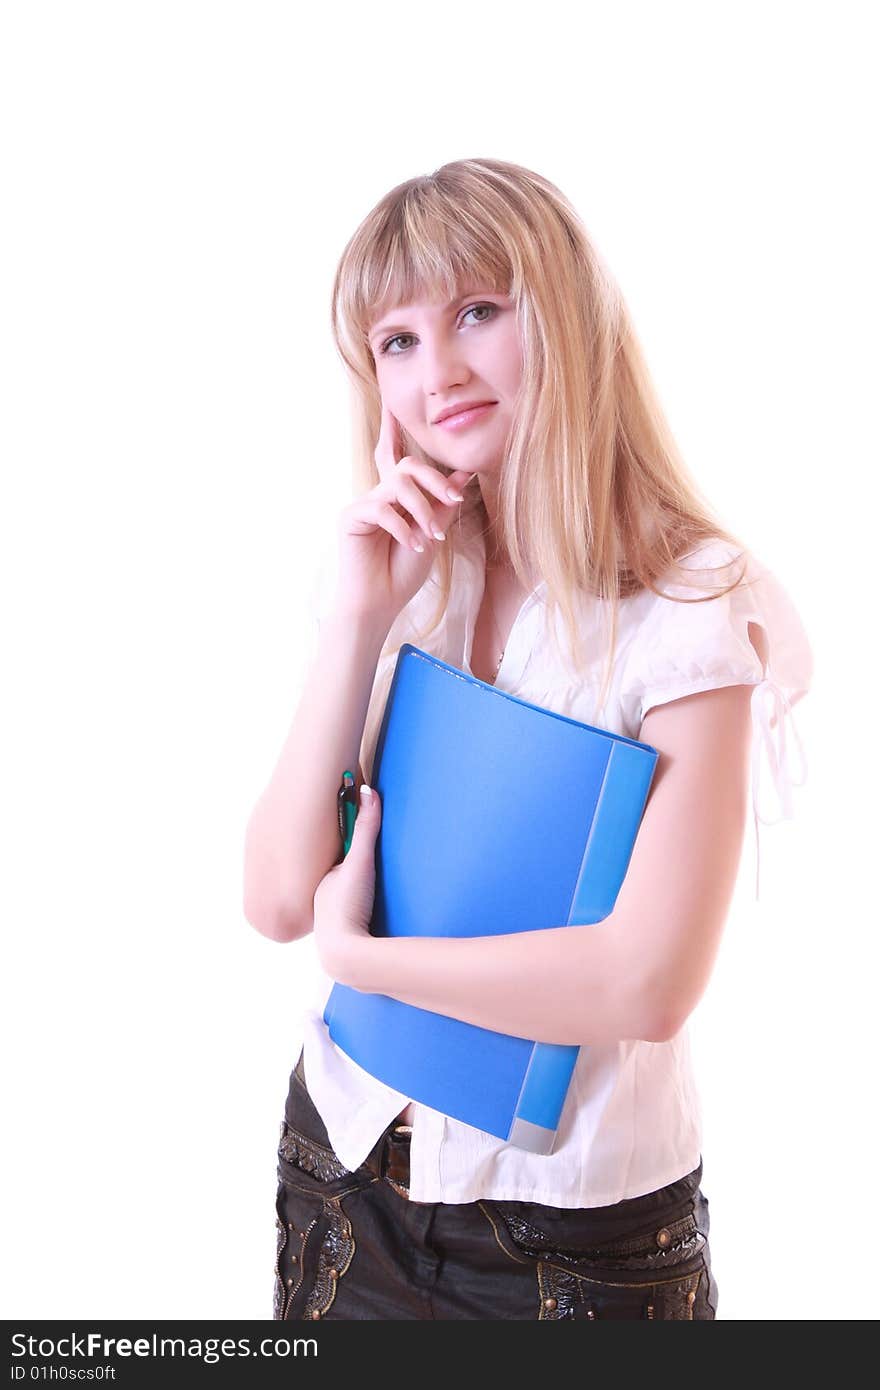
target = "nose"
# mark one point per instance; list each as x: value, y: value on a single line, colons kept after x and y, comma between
x: 444, y: 366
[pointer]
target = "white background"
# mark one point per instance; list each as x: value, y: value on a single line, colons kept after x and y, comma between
x: 179, y: 180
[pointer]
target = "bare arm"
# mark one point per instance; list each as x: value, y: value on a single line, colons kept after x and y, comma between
x: 558, y: 985
x: 641, y: 971
x: 292, y: 839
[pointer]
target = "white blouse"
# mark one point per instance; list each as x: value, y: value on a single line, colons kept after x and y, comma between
x: 631, y: 1121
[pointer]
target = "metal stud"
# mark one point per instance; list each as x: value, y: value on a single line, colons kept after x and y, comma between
x: 549, y: 1302
x: 664, y: 1237
x: 315, y: 1315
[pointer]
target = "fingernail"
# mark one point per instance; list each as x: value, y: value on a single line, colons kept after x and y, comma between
x: 453, y: 495
x: 366, y: 794
x: 439, y: 535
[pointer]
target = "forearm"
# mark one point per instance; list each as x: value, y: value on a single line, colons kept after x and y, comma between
x: 558, y: 985
x: 289, y: 844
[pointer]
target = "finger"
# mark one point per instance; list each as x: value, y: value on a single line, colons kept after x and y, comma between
x: 410, y: 495
x: 389, y: 447
x: 456, y: 484
x: 366, y: 822
x: 433, y: 480
x: 397, y: 526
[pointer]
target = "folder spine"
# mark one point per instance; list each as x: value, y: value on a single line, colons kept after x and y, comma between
x: 545, y: 1086
x: 612, y: 836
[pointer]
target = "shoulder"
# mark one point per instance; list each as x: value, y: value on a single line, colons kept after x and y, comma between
x: 724, y: 620
x: 701, y: 574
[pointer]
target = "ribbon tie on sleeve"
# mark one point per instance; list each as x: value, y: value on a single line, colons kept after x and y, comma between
x: 770, y: 710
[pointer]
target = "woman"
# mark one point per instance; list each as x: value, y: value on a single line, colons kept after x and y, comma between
x: 559, y: 493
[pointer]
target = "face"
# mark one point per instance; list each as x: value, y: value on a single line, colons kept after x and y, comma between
x: 430, y: 357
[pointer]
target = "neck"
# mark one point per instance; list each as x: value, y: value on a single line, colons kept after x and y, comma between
x: 498, y: 563
x: 496, y: 558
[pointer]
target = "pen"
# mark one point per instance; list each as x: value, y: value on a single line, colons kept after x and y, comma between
x: 346, y: 810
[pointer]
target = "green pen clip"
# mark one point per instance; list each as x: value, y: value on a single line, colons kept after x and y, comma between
x: 346, y: 810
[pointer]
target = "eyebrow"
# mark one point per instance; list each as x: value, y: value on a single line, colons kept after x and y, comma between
x: 388, y: 324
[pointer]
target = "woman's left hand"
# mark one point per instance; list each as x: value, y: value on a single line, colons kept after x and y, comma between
x: 344, y: 898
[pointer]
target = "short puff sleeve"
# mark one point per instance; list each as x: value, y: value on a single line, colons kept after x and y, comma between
x: 683, y: 648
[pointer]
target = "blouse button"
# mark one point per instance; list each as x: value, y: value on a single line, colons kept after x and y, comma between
x: 664, y: 1237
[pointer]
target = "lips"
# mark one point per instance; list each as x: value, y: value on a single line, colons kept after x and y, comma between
x: 460, y: 409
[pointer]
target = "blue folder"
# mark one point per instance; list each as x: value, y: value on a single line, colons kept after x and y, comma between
x: 497, y: 816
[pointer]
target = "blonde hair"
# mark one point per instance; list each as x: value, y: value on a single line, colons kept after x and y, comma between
x: 593, y: 495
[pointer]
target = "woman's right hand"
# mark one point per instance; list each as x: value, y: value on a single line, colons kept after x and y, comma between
x: 380, y: 569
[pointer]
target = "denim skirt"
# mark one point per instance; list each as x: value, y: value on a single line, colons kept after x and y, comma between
x: 354, y: 1245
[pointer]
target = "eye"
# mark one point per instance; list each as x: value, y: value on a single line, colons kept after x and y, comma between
x: 385, y: 348
x: 474, y: 307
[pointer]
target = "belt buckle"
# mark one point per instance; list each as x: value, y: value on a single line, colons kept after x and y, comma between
x: 385, y: 1162
x: 398, y: 1188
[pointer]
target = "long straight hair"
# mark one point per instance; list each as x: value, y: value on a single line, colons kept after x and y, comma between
x: 593, y: 494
